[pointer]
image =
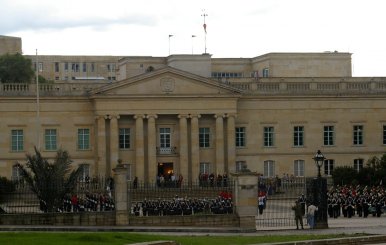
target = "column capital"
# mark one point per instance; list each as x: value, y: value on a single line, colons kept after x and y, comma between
x: 219, y: 115
x: 139, y: 116
x: 195, y: 115
x: 183, y: 116
x: 231, y: 115
x: 114, y: 116
x: 155, y: 116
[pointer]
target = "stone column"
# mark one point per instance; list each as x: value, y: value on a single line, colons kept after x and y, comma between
x: 152, y: 151
x: 195, y: 149
x: 101, y: 147
x: 114, y: 142
x: 183, y: 169
x: 139, y: 148
x: 219, y: 168
x: 231, y: 144
x: 120, y: 195
x: 245, y: 199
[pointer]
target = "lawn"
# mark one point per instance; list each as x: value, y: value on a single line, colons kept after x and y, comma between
x: 120, y: 238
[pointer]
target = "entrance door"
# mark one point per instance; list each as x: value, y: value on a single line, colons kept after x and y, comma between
x: 165, y: 169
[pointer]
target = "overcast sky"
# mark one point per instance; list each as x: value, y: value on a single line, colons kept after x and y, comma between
x: 235, y: 28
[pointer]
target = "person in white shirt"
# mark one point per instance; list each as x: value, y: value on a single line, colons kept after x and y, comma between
x: 311, y: 215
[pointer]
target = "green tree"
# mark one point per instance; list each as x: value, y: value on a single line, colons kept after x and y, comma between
x: 50, y: 181
x: 43, y: 80
x: 14, y: 68
x: 344, y: 175
x: 374, y: 172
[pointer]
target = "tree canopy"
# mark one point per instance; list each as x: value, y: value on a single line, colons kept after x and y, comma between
x: 50, y: 181
x: 373, y: 173
x: 15, y: 68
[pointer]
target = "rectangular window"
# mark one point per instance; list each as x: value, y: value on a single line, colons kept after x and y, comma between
x: 265, y: 72
x: 165, y: 138
x: 56, y: 66
x: 111, y: 67
x: 384, y: 134
x: 66, y: 66
x: 328, y: 135
x: 50, y: 139
x: 40, y: 66
x: 268, y: 136
x: 204, y: 137
x: 204, y: 168
x: 16, y: 173
x: 17, y: 141
x: 298, y: 136
x: 83, y: 139
x: 85, y: 171
x: 84, y: 65
x: 269, y: 168
x: 92, y: 67
x: 358, y: 135
x: 128, y: 171
x: 299, y: 168
x: 328, y: 166
x: 358, y: 164
x: 75, y: 67
x: 124, y: 138
x: 240, y: 166
x: 240, y: 136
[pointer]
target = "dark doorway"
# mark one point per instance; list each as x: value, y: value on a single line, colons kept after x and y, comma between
x: 165, y: 169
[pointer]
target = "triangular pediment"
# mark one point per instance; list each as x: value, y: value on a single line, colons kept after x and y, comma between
x: 166, y: 81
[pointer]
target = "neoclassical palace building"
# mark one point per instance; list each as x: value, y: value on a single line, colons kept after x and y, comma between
x: 194, y: 114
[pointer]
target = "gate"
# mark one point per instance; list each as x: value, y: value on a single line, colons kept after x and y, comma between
x: 279, y: 195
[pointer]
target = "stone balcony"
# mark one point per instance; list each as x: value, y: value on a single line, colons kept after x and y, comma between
x: 248, y: 86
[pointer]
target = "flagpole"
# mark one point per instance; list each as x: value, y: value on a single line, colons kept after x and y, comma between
x: 193, y: 36
x: 37, y: 104
x: 204, y: 15
x: 169, y: 42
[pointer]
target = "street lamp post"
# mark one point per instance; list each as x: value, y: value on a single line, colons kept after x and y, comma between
x: 318, y: 193
x: 319, y: 160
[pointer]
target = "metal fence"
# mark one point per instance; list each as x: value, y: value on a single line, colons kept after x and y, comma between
x: 89, y: 195
x: 279, y: 195
x: 175, y: 198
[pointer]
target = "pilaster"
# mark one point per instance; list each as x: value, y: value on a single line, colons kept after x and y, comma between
x: 151, y: 167
x: 114, y: 142
x: 101, y: 146
x: 139, y: 148
x: 231, y: 144
x: 219, y: 168
x: 195, y: 148
x: 183, y: 169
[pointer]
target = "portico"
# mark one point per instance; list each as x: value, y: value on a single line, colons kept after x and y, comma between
x: 164, y: 126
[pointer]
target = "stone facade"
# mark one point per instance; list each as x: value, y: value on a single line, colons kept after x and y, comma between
x: 10, y: 45
x: 190, y: 114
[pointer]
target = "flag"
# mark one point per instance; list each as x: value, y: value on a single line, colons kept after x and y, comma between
x: 193, y: 36
x: 204, y: 27
x: 170, y: 35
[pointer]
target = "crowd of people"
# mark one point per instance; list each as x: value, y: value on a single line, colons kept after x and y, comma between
x: 348, y: 201
x: 84, y: 203
x: 212, y: 180
x: 184, y: 206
